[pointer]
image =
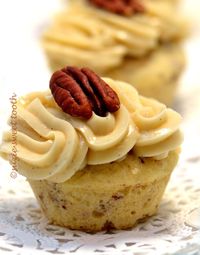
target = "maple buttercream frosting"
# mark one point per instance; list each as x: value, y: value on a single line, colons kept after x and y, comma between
x: 53, y: 145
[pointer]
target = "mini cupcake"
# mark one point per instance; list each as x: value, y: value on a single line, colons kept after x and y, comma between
x: 108, y: 37
x: 96, y: 154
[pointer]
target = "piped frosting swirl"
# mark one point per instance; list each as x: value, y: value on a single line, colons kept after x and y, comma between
x: 53, y: 145
x: 87, y: 36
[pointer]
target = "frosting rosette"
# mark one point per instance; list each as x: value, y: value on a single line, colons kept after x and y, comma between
x: 53, y: 145
x: 84, y: 35
x: 158, y: 126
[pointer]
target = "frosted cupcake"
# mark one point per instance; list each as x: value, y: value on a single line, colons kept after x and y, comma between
x: 96, y: 154
x: 108, y: 38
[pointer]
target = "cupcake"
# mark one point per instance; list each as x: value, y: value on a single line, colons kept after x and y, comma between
x: 112, y: 37
x: 96, y: 154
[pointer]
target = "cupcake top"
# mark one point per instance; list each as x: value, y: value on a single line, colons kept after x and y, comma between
x: 85, y: 120
x: 99, y: 34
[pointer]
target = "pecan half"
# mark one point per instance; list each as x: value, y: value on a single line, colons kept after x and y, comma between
x: 123, y: 7
x: 80, y: 91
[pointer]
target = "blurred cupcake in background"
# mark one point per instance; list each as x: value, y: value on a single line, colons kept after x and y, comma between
x: 135, y: 42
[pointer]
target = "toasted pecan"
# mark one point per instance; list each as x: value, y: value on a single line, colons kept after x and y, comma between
x: 122, y: 7
x: 80, y: 91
